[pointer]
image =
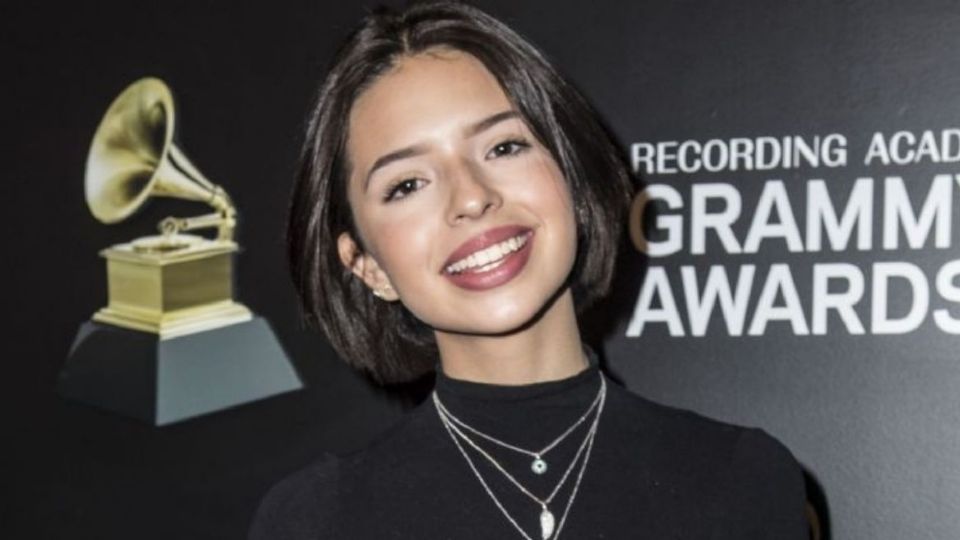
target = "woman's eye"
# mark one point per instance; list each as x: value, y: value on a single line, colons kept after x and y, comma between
x: 401, y: 189
x: 508, y: 148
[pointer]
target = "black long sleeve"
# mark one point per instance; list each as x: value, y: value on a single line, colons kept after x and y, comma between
x: 655, y: 472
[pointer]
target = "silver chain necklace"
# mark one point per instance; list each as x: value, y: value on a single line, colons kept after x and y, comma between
x: 547, y: 519
x: 539, y: 464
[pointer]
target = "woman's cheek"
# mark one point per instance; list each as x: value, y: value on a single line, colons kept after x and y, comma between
x: 407, y: 245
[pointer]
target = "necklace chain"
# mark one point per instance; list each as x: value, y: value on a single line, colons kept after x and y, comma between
x: 536, y: 454
x: 511, y: 478
x: 452, y: 426
x: 473, y: 468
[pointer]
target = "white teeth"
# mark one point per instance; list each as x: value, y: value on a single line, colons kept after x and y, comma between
x: 490, y: 257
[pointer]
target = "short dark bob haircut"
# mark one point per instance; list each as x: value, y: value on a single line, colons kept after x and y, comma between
x: 384, y: 338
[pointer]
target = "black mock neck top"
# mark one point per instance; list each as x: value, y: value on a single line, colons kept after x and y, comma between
x: 654, y: 472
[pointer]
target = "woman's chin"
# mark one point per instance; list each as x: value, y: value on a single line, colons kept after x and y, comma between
x: 500, y: 323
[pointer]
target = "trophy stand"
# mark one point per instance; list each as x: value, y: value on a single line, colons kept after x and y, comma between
x: 171, y: 343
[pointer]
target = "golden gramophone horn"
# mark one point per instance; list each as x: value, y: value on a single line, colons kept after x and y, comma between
x: 133, y: 157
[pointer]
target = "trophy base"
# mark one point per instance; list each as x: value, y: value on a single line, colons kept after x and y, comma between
x: 177, y: 323
x: 162, y: 381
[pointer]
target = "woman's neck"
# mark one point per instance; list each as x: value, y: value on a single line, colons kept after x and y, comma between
x: 547, y: 350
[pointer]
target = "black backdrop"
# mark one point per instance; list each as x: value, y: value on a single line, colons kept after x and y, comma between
x: 873, y: 418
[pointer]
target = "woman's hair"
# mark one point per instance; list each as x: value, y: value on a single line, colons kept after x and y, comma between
x: 385, y: 338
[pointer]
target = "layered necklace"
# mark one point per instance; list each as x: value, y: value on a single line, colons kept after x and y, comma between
x: 549, y: 527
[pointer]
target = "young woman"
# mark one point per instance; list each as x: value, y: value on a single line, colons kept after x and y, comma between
x: 458, y: 205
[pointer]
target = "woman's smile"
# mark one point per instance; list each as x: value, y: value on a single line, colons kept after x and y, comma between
x: 490, y: 262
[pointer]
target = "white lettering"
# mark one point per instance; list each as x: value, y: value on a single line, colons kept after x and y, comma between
x: 733, y: 306
x: 655, y: 286
x: 842, y: 302
x: 720, y: 222
x: 671, y: 223
x: 946, y: 278
x: 898, y: 210
x: 858, y: 213
x: 779, y: 280
x: 880, y: 320
x: 774, y: 195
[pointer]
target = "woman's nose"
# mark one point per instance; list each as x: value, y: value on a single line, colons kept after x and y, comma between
x: 472, y: 193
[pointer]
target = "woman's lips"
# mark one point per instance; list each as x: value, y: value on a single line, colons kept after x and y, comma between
x: 482, y: 241
x: 498, y: 272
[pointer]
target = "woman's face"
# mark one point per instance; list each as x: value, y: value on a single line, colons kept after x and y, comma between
x: 464, y: 214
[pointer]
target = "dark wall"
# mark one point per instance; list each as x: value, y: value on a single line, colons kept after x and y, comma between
x: 872, y: 416
x: 242, y: 77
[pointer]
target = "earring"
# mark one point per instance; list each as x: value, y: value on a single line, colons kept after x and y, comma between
x: 381, y: 291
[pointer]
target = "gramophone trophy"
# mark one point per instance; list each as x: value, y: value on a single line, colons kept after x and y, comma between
x: 171, y: 343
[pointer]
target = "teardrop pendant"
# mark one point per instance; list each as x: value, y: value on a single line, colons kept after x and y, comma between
x: 547, y: 523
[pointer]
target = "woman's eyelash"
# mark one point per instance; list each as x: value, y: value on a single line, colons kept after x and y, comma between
x: 510, y: 147
x: 390, y: 194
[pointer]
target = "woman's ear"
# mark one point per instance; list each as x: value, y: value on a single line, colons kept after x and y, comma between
x: 364, y: 266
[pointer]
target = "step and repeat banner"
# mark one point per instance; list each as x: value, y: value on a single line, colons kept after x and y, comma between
x: 794, y: 259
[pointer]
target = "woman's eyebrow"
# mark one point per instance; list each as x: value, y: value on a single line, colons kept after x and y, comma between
x: 383, y: 161
x: 489, y: 122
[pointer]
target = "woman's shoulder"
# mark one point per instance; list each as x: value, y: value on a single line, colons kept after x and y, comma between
x: 300, y: 505
x: 671, y: 425
x: 308, y: 502
x: 745, y: 473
